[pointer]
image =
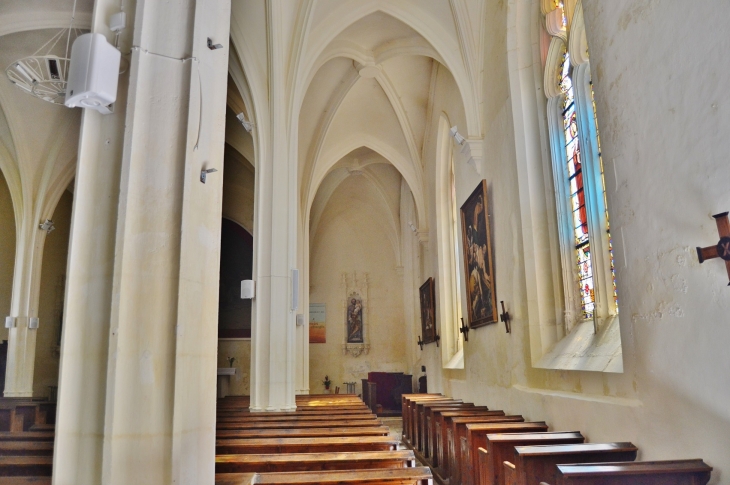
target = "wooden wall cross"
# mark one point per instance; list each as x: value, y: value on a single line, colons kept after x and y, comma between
x: 722, y: 249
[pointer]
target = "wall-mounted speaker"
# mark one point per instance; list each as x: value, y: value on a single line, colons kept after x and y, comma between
x: 93, y: 73
x: 248, y: 289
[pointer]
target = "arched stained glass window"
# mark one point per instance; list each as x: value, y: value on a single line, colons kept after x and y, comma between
x: 583, y: 257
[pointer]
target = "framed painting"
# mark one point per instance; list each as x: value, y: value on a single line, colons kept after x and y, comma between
x: 481, y: 297
x: 428, y: 311
x: 354, y: 319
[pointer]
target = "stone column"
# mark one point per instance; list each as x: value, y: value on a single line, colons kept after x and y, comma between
x: 138, y: 358
x: 273, y: 337
x: 24, y: 304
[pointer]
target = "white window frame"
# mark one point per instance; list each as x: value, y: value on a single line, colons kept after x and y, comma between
x: 605, y: 308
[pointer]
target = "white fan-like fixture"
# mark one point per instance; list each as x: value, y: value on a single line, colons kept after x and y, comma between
x: 44, y: 74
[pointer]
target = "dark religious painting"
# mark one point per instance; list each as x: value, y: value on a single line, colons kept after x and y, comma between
x: 234, y: 313
x: 354, y: 319
x: 478, y: 265
x: 428, y: 311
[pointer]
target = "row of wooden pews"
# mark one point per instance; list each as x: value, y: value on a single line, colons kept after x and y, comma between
x: 26, y: 441
x: 465, y: 444
x: 329, y: 439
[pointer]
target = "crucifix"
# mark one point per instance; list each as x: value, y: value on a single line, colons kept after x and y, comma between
x: 722, y: 249
x: 420, y: 342
x: 465, y: 330
x: 506, y: 319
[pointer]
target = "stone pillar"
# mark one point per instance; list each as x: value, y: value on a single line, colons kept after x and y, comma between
x: 138, y: 358
x: 273, y: 337
x: 24, y: 303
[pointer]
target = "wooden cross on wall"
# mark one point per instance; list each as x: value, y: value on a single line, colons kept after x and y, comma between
x: 722, y: 250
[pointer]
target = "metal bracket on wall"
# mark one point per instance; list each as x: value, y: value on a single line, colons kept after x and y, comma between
x: 505, y: 317
x: 465, y: 330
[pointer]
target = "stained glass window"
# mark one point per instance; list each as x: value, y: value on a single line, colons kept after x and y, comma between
x: 605, y: 204
x: 583, y: 257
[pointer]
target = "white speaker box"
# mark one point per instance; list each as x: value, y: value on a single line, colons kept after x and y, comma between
x: 248, y: 289
x: 93, y: 73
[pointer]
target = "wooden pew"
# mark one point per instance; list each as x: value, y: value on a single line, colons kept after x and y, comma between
x: 417, y: 417
x: 18, y: 466
x: 305, y: 445
x: 301, y: 432
x: 26, y: 448
x: 425, y: 421
x: 438, y: 438
x: 395, y: 476
x: 25, y: 480
x: 476, y: 437
x: 298, y: 418
x: 27, y: 436
x: 410, y: 407
x: 501, y: 447
x: 535, y: 464
x: 313, y: 411
x: 297, y: 462
x: 406, y: 413
x: 456, y: 430
x: 329, y: 423
x: 671, y: 472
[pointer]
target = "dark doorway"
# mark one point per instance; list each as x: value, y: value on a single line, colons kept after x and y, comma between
x: 234, y: 314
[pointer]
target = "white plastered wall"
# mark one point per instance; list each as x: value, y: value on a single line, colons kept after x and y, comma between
x: 352, y: 238
x: 662, y: 117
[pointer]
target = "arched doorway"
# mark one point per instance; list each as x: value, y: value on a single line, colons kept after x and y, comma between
x: 234, y: 313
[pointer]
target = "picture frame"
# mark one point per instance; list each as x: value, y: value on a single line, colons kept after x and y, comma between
x: 427, y: 294
x: 481, y: 296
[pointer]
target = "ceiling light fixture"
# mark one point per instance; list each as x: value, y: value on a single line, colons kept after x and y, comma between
x: 457, y: 136
x: 247, y: 125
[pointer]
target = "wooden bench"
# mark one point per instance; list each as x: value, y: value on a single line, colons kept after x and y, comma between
x: 305, y: 445
x: 297, y: 418
x: 413, y: 417
x: 18, y: 466
x: 329, y: 423
x: 535, y: 464
x: 425, y: 421
x: 438, y: 434
x: 27, y: 436
x: 301, y: 432
x: 476, y: 437
x: 501, y: 447
x: 25, y: 480
x: 409, y: 422
x: 26, y: 448
x: 294, y: 462
x: 457, y: 430
x: 672, y: 472
x: 407, y: 402
x: 303, y: 412
x: 394, y: 476
x: 418, y: 418
x: 20, y: 414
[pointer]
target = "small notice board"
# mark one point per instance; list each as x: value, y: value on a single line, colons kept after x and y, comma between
x: 317, y: 319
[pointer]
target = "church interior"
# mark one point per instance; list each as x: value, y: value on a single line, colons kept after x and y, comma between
x: 365, y: 241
